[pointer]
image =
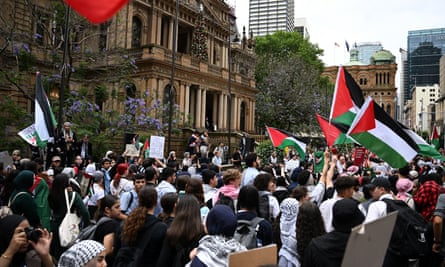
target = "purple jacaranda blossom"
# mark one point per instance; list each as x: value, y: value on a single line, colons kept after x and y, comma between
x: 37, y: 36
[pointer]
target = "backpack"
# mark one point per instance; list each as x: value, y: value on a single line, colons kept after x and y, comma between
x: 225, y: 200
x: 409, y: 235
x: 88, y: 232
x: 130, y: 256
x: 6, y: 210
x: 246, y: 232
x: 264, y: 207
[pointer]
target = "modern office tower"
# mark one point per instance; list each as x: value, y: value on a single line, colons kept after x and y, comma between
x: 425, y: 47
x: 366, y: 50
x: 402, y: 96
x: 269, y: 16
x: 301, y: 27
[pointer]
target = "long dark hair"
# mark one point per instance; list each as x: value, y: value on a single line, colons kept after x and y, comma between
x: 148, y: 197
x: 187, y: 225
x: 309, y: 225
x: 56, y: 197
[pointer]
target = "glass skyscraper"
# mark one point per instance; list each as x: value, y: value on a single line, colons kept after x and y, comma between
x: 269, y: 16
x: 425, y: 47
x: 366, y: 50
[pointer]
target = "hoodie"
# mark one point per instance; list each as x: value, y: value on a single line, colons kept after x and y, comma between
x: 326, y: 250
x: 24, y: 204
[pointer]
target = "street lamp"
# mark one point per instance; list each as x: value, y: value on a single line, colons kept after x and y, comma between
x: 229, y: 85
x: 172, y: 80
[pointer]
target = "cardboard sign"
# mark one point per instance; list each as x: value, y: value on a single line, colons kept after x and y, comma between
x: 369, y: 242
x: 359, y: 156
x: 157, y: 147
x: 254, y: 257
x: 6, y: 159
x: 131, y: 151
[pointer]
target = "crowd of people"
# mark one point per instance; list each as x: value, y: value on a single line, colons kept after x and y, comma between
x: 191, y: 212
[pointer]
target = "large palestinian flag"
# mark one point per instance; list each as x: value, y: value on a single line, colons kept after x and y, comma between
x: 282, y: 139
x: 347, y: 99
x: 44, y: 120
x: 334, y: 133
x: 374, y: 129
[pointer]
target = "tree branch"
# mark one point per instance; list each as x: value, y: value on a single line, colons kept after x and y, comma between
x: 16, y: 85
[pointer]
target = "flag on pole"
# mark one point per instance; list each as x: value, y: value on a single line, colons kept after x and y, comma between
x: 347, y: 45
x: 44, y: 120
x: 334, y: 133
x: 376, y: 130
x: 347, y: 99
x: 97, y: 11
x: 282, y: 139
x: 434, y: 138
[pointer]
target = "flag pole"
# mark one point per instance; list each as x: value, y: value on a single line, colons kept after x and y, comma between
x: 63, y: 79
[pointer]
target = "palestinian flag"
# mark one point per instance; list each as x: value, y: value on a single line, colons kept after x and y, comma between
x: 434, y: 138
x: 97, y: 11
x: 334, y: 133
x: 347, y: 99
x: 374, y: 129
x: 44, y: 120
x: 425, y: 149
x: 283, y: 139
x: 30, y: 135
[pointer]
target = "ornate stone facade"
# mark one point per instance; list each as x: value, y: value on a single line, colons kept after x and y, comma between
x: 143, y: 29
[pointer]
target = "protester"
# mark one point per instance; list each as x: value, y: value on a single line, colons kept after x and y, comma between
x: 22, y: 245
x: 87, y: 253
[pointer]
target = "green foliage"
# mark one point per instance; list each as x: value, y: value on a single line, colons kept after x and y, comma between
x: 288, y: 77
x: 265, y: 149
x: 13, y: 119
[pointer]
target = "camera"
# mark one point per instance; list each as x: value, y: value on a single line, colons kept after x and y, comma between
x: 33, y: 234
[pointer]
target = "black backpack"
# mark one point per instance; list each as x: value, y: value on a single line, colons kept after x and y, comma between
x: 225, y: 200
x: 264, y: 207
x: 409, y: 235
x: 246, y: 232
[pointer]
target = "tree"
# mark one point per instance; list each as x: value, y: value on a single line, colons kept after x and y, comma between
x: 288, y: 78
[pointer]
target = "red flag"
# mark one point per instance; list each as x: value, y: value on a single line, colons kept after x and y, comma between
x: 434, y: 138
x: 97, y: 11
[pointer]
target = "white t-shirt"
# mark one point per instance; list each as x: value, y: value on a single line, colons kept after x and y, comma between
x: 98, y: 194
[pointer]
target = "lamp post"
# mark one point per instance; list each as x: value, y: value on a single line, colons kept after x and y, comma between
x: 64, y: 70
x: 229, y: 85
x: 172, y: 80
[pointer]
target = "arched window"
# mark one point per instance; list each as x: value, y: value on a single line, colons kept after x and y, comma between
x: 388, y: 109
x: 136, y: 33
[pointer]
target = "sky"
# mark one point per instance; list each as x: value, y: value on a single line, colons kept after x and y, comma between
x: 337, y: 21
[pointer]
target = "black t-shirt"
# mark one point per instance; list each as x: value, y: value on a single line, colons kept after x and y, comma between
x: 105, y: 229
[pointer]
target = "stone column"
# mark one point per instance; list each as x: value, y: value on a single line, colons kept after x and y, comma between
x: 198, y: 107
x: 187, y: 101
x: 203, y: 107
x: 225, y: 120
x: 170, y: 34
x: 220, y: 111
x: 215, y: 110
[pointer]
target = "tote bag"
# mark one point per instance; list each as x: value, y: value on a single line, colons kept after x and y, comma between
x: 69, y: 228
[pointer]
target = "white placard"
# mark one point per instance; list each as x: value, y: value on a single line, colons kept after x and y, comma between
x: 157, y: 147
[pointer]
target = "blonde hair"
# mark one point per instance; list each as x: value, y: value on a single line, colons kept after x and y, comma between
x: 231, y: 175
